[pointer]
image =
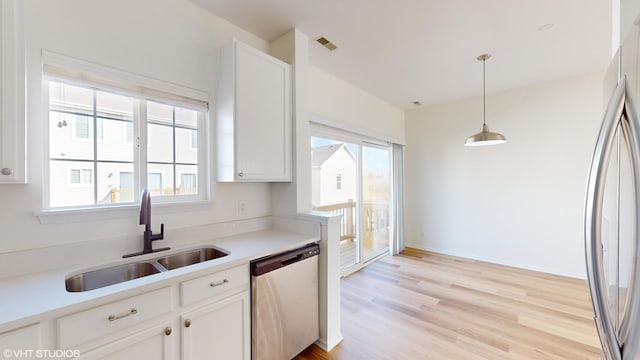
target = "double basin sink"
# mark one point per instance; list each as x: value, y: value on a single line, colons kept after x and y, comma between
x: 95, y: 279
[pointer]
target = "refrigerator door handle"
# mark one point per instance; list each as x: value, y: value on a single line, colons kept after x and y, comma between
x: 593, y: 222
x: 630, y: 327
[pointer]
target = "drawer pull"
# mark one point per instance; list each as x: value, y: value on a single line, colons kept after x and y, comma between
x: 117, y: 317
x: 214, y: 284
x: 168, y: 331
x: 187, y: 323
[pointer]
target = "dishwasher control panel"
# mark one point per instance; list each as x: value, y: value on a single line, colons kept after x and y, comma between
x: 273, y: 262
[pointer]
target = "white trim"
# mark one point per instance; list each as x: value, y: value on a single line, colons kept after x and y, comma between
x: 318, y: 122
x: 74, y: 70
x: 108, y: 212
x: 494, y: 260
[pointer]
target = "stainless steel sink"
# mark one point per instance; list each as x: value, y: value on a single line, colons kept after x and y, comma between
x: 108, y: 276
x: 95, y: 279
x: 191, y: 257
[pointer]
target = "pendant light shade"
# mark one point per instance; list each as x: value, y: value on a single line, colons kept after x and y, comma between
x: 484, y: 137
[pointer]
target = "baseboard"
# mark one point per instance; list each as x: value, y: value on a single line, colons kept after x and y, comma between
x: 329, y: 345
x: 497, y: 261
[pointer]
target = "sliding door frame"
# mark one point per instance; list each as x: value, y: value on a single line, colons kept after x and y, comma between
x: 328, y: 132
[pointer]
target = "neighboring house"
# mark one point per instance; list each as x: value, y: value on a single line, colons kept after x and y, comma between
x: 333, y: 174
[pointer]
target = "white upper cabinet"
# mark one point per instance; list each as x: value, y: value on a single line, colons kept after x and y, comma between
x: 253, y: 116
x: 12, y: 95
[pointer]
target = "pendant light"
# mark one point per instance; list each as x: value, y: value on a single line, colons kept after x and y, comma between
x: 484, y: 137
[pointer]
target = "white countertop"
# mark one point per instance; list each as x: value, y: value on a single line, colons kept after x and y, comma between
x: 31, y: 298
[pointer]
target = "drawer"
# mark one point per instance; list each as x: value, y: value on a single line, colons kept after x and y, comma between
x: 215, y: 286
x: 106, y: 319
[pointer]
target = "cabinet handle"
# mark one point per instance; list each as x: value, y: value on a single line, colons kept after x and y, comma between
x: 167, y: 330
x: 6, y: 171
x: 214, y: 284
x: 133, y: 311
x: 240, y: 174
x: 187, y: 323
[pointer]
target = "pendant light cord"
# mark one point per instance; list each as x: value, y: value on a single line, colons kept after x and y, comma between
x: 484, y: 95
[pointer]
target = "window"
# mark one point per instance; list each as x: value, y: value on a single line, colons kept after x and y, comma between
x: 93, y: 163
x: 128, y: 133
x: 194, y: 140
x: 154, y: 181
x: 188, y: 183
x: 80, y: 177
x: 339, y: 182
x: 83, y: 128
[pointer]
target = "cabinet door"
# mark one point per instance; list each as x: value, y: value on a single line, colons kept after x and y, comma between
x: 12, y: 98
x: 16, y: 343
x: 218, y: 331
x: 154, y: 344
x: 263, y: 116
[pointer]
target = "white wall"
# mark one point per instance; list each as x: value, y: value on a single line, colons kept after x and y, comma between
x: 629, y: 13
x: 520, y: 203
x: 340, y: 104
x: 169, y: 40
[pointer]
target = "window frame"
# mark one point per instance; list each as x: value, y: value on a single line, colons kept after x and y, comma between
x: 60, y: 68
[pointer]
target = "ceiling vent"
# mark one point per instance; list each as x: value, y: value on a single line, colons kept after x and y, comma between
x: 326, y: 43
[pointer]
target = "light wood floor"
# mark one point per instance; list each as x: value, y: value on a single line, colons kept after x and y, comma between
x: 372, y: 244
x: 422, y: 305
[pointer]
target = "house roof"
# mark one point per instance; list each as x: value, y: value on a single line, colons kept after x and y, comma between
x: 320, y: 154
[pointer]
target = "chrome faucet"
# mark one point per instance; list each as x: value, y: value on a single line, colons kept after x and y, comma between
x: 145, y: 219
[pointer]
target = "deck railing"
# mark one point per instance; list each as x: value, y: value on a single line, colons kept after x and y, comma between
x: 375, y: 217
x: 348, y: 212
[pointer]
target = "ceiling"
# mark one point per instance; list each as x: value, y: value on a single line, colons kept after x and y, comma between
x: 425, y: 50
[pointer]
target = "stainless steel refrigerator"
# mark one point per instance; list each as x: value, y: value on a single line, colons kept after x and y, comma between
x: 612, y: 223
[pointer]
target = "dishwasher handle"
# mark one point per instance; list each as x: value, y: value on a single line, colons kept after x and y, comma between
x: 274, y: 262
x: 292, y: 260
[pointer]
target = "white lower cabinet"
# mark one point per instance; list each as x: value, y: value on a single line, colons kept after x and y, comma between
x: 117, y: 319
x: 17, y: 343
x: 203, y: 317
x: 221, y: 330
x: 155, y: 342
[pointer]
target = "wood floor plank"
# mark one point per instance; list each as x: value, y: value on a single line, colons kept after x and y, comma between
x: 423, y: 305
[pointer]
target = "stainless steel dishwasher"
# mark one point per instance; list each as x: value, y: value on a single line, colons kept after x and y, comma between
x: 284, y: 301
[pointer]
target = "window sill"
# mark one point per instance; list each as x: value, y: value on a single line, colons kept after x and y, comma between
x: 76, y: 215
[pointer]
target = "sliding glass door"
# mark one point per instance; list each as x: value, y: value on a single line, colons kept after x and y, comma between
x: 351, y: 177
x: 376, y: 200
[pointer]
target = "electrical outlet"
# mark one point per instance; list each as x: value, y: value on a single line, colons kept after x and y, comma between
x: 243, y: 206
